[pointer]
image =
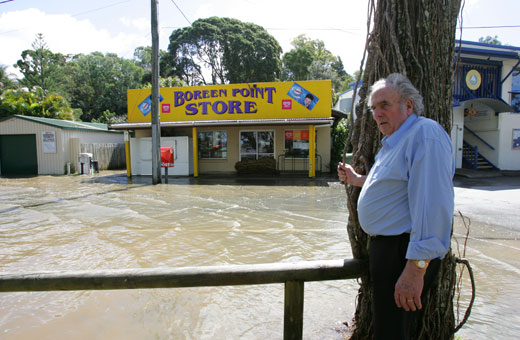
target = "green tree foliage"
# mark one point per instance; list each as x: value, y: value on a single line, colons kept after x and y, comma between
x: 143, y: 59
x: 225, y: 50
x: 310, y: 60
x: 34, y: 103
x: 490, y: 40
x: 339, y: 135
x: 167, y: 82
x: 7, y: 81
x: 99, y: 83
x: 42, y: 68
x: 108, y: 117
x: 297, y: 61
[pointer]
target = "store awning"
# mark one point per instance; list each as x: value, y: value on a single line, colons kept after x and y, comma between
x: 497, y: 105
x: 230, y: 122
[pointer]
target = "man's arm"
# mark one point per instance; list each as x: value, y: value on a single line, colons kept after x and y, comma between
x: 430, y: 196
x: 409, y: 287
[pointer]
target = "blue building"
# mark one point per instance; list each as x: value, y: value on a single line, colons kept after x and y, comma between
x: 486, y: 106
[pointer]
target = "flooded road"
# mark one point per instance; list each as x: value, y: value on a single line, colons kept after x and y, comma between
x: 106, y: 222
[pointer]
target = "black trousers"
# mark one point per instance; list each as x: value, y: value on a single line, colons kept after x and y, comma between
x: 387, y: 261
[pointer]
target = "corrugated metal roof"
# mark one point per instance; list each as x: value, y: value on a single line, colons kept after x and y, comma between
x: 66, y: 124
x: 226, y: 122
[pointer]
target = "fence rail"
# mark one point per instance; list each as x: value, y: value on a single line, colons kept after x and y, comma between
x: 293, y: 275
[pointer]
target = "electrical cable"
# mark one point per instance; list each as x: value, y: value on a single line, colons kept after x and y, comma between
x: 181, y: 12
x: 100, y: 8
x: 472, y: 27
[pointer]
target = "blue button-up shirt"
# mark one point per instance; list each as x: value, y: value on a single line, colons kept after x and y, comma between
x: 410, y: 188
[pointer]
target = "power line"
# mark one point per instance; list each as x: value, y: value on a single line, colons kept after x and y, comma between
x: 100, y: 8
x: 181, y: 12
x: 472, y: 27
x: 3, y: 2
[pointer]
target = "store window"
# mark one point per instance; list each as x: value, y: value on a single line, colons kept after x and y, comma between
x: 297, y: 143
x: 212, y: 144
x: 256, y: 144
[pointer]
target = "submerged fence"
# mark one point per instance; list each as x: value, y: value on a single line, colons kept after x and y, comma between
x: 293, y: 275
x: 110, y: 156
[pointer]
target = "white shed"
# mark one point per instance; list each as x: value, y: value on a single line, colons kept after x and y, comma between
x: 44, y: 146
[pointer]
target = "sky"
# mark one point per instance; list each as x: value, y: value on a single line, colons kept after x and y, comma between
x: 119, y: 26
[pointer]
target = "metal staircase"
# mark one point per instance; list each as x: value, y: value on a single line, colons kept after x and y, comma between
x: 472, y: 159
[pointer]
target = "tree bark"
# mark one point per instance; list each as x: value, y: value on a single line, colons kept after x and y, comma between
x: 416, y: 38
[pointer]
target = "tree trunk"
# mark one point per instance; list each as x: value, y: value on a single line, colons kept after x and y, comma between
x: 416, y: 38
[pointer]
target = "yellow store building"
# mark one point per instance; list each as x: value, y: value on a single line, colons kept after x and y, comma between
x: 212, y: 128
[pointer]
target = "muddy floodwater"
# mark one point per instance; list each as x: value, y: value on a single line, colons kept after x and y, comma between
x: 105, y: 221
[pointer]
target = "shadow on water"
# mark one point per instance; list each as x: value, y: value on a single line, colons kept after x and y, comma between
x: 250, y: 180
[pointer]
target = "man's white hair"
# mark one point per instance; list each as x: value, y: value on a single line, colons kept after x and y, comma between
x: 404, y: 88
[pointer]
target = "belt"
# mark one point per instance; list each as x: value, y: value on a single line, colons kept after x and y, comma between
x: 403, y: 235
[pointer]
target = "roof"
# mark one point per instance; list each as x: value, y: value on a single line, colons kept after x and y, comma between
x: 339, y: 114
x: 66, y: 124
x: 351, y: 87
x: 486, y: 45
x: 487, y: 50
x: 227, y: 122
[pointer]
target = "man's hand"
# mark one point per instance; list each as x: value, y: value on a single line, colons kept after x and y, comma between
x: 408, y: 288
x: 347, y: 174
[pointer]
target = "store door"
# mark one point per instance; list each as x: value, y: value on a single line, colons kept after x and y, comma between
x: 18, y: 155
x: 256, y: 144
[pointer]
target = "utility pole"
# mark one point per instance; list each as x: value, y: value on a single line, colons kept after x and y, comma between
x: 156, y: 119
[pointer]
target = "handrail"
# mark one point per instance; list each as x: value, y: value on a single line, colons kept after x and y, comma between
x: 280, y: 164
x: 293, y: 275
x: 472, y: 160
x: 479, y: 138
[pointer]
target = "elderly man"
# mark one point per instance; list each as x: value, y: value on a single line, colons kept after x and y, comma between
x: 405, y: 205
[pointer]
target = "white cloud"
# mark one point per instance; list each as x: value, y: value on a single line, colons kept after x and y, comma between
x: 63, y: 33
x: 140, y: 24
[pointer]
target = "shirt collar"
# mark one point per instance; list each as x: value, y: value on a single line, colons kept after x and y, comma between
x: 391, y: 141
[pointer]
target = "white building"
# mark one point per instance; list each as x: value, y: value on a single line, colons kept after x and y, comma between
x: 44, y: 146
x: 486, y: 110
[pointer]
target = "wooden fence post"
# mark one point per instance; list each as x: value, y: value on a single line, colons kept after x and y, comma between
x: 293, y: 310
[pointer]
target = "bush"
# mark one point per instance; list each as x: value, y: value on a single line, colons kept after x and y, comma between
x: 262, y: 166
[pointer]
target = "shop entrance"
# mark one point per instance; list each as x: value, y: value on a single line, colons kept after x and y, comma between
x: 256, y: 144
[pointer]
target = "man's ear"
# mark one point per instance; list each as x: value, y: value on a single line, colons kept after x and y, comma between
x: 409, y: 106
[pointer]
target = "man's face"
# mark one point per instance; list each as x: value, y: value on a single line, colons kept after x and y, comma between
x: 307, y: 101
x: 388, y: 113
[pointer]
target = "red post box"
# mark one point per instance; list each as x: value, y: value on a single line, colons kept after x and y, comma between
x: 166, y: 157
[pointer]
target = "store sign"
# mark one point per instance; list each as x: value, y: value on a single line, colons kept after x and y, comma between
x: 305, y: 99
